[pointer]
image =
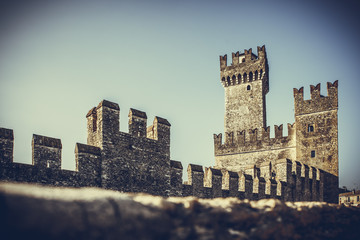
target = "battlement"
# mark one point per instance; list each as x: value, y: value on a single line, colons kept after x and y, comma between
x: 317, y: 102
x: 103, y: 125
x: 245, y: 68
x: 248, y: 162
x: 268, y: 180
x: 253, y: 139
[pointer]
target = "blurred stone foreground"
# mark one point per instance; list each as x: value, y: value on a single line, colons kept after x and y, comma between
x: 38, y: 212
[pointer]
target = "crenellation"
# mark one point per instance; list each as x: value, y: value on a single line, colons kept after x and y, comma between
x: 261, y: 188
x: 176, y: 172
x: 246, y: 185
x: 223, y: 61
x: 315, y: 92
x: 283, y: 170
x: 6, y: 145
x: 266, y: 170
x: 235, y: 58
x: 46, y: 152
x: 196, y: 179
x: 137, y: 123
x: 88, y: 163
x: 233, y: 183
x: 266, y: 134
x: 299, y: 181
x: 271, y: 188
x: 253, y: 134
x: 278, y: 131
x: 302, y: 166
x: 317, y: 102
x: 213, y: 180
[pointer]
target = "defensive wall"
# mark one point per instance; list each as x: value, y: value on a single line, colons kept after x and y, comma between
x: 139, y: 161
x: 302, y: 166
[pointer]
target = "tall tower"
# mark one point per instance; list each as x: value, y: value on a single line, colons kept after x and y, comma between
x: 246, y: 83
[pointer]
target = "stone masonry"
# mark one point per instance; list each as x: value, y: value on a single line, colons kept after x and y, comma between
x: 312, y: 140
x: 248, y: 165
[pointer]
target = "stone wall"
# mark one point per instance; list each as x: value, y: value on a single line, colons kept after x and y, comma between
x: 138, y: 161
x: 312, y: 139
x: 246, y: 148
x: 317, y: 128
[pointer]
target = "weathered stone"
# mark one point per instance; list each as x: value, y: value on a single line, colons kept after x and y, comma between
x: 34, y: 212
x: 139, y: 161
x: 311, y: 140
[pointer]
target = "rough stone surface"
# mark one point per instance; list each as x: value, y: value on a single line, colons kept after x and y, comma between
x: 311, y: 140
x: 38, y: 212
x: 249, y: 164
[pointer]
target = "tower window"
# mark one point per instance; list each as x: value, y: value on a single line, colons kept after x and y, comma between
x: 248, y: 87
x: 310, y: 128
x: 313, y: 153
x: 250, y: 77
x: 228, y: 81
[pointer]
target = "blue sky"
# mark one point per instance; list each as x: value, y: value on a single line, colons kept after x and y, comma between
x: 58, y: 59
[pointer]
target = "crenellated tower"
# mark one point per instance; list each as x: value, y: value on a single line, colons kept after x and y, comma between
x: 246, y: 84
x: 317, y: 128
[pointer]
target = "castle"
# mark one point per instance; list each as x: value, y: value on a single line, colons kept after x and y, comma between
x: 302, y: 166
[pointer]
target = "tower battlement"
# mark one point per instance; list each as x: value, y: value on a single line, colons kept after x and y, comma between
x: 311, y: 140
x: 254, y: 140
x: 302, y: 166
x: 245, y: 68
x: 317, y: 102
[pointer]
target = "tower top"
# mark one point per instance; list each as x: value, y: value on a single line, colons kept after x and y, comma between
x: 245, y: 67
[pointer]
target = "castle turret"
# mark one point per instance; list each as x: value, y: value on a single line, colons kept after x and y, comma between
x: 246, y: 83
x: 317, y: 134
x: 316, y: 128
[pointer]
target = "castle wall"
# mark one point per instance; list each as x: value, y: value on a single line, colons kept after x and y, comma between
x: 248, y: 148
x: 131, y: 161
x: 302, y: 166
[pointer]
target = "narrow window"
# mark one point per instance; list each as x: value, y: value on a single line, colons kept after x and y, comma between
x: 358, y: 198
x: 256, y: 75
x: 310, y: 128
x: 313, y: 153
x: 228, y: 81
x: 239, y: 78
x: 245, y: 77
x: 261, y: 73
x: 233, y: 79
x: 47, y: 164
x: 248, y: 87
x: 250, y: 77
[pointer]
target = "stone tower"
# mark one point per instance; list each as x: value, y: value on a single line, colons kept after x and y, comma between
x: 317, y: 128
x: 246, y: 84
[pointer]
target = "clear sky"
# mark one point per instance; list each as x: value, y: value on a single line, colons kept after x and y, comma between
x: 58, y: 59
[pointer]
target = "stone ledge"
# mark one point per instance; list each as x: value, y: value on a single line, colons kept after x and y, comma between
x: 46, y: 141
x: 84, y: 148
x: 38, y: 212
